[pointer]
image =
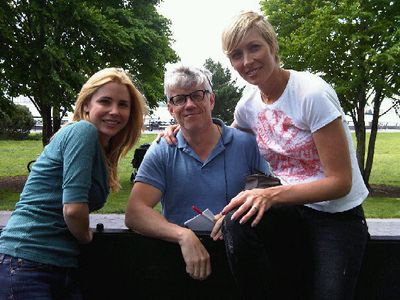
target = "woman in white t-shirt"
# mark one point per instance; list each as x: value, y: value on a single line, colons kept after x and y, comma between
x: 301, y: 131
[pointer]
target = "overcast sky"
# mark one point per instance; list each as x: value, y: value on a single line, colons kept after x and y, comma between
x: 197, y: 27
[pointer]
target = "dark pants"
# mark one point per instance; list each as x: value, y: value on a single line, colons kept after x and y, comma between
x: 297, y: 253
x: 23, y: 279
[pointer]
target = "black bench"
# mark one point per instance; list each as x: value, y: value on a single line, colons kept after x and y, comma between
x: 120, y: 264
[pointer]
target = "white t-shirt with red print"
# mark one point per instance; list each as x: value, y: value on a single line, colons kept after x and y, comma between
x: 284, y: 133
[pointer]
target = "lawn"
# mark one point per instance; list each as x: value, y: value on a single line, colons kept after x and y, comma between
x: 385, y: 169
x: 16, y: 154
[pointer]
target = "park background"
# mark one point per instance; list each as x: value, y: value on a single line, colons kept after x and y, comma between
x: 383, y: 202
x: 193, y: 36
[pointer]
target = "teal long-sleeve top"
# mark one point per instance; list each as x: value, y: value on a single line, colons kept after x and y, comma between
x: 71, y: 169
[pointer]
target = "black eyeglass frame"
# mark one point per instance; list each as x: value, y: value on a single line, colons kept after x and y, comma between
x: 171, y: 99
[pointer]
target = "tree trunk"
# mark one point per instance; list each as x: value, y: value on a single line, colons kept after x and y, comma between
x: 372, y: 138
x: 56, y: 119
x: 47, y: 130
x: 359, y: 127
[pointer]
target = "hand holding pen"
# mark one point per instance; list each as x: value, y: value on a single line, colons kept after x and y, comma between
x: 200, y: 212
x: 216, y: 233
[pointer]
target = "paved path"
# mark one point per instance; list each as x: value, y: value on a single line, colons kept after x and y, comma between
x: 377, y: 227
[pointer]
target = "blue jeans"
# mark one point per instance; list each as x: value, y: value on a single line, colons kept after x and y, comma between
x: 22, y: 279
x: 297, y: 253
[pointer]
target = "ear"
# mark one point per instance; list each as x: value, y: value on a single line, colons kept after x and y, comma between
x: 274, y: 52
x: 171, y: 109
x: 212, y: 101
x: 86, y: 108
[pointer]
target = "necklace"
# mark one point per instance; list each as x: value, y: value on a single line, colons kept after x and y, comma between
x: 264, y: 98
x: 277, y: 88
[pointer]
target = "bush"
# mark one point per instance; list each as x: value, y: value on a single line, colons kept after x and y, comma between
x: 34, y: 136
x: 16, y: 122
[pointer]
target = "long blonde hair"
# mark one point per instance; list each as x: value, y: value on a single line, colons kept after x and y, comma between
x: 120, y: 144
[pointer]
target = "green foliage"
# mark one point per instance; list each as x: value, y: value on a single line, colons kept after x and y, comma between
x: 34, y: 136
x: 226, y: 93
x: 16, y: 122
x: 354, y: 45
x: 6, y: 105
x: 49, y: 48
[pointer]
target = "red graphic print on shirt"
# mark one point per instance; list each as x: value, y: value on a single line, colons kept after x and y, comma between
x: 290, y: 150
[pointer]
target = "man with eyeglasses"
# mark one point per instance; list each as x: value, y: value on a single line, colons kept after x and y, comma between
x: 206, y: 168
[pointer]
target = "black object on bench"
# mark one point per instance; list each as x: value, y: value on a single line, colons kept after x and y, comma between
x: 137, y: 158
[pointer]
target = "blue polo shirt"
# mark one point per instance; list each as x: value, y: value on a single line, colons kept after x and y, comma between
x: 185, y: 180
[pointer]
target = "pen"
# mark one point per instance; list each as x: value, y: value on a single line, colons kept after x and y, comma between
x: 196, y: 209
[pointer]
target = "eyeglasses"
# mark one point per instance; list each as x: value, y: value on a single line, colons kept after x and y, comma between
x: 196, y: 96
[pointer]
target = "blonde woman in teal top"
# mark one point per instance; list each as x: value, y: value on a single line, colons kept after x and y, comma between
x: 71, y: 178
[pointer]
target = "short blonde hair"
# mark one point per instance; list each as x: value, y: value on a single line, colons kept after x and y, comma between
x: 240, y: 26
x: 120, y: 144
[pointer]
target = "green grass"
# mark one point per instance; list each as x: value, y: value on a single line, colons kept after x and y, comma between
x: 117, y: 202
x: 385, y: 169
x: 16, y: 154
x: 380, y: 207
x: 8, y: 199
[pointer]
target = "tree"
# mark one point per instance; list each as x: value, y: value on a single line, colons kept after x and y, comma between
x: 226, y: 93
x: 16, y: 122
x: 354, y: 45
x: 49, y: 47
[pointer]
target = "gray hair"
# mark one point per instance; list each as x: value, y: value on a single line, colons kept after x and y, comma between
x: 185, y: 77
